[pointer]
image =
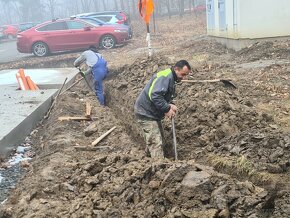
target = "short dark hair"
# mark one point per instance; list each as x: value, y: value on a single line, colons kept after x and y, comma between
x: 180, y: 64
x: 93, y: 48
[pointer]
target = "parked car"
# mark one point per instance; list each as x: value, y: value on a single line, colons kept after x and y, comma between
x: 8, y: 31
x: 111, y: 17
x: 25, y: 26
x: 95, y: 21
x: 69, y: 34
x: 1, y: 33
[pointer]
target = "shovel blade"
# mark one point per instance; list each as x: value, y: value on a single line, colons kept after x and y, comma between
x: 228, y: 83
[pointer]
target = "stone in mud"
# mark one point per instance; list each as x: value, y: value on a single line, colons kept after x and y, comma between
x: 195, y: 178
x: 236, y: 150
x: 91, y: 129
x: 177, y: 175
x: 274, y: 156
x: 211, y: 213
x: 219, y: 198
x: 122, y: 85
x: 93, y: 180
x: 225, y: 213
x: 155, y: 68
x: 154, y: 184
x: 94, y: 168
x: 69, y: 187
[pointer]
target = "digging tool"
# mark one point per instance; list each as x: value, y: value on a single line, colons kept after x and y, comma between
x: 226, y: 82
x: 55, y: 99
x: 84, y: 76
x: 72, y: 85
x: 174, y: 138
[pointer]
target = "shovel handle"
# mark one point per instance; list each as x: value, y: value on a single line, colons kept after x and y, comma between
x: 202, y: 81
x: 174, y: 138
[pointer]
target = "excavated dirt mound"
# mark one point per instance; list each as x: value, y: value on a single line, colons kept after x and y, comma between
x: 212, y: 119
x: 118, y: 180
x: 265, y: 50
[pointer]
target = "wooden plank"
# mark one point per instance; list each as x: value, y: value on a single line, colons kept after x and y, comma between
x: 94, y: 143
x: 90, y: 148
x: 88, y: 109
x: 67, y: 118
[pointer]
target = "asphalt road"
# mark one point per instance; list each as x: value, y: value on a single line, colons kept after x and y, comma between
x: 8, y: 52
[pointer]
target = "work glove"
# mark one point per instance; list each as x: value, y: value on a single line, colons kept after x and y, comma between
x: 82, y: 74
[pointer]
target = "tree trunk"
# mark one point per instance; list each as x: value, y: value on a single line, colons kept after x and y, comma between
x: 96, y: 4
x: 129, y: 8
x: 122, y: 5
x: 104, y: 5
x: 116, y: 5
x: 52, y: 8
x: 190, y: 6
x: 168, y: 8
x: 181, y: 8
x: 134, y: 6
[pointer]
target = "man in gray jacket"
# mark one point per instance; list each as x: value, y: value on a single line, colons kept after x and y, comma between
x: 155, y: 102
x: 97, y: 65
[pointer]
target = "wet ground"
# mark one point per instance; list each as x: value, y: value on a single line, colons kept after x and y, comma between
x: 8, y: 180
x: 233, y: 144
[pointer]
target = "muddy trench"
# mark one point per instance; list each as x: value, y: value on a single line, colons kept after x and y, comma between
x: 122, y: 182
x: 121, y: 96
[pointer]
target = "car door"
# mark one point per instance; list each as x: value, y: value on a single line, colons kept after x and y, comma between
x: 82, y: 34
x: 54, y: 35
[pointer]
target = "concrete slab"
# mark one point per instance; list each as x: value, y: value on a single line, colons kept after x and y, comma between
x: 20, y: 111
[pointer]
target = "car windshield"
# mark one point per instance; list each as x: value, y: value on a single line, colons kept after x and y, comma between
x: 93, y: 21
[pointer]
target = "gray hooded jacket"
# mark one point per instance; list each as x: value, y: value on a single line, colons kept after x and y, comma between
x: 153, y: 102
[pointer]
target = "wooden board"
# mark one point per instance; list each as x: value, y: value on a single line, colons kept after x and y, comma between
x: 67, y: 118
x: 88, y: 109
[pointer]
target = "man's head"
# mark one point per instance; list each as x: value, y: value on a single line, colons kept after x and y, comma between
x: 93, y: 48
x: 182, y: 69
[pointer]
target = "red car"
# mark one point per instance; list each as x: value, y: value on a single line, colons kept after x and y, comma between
x: 9, y: 31
x: 69, y: 34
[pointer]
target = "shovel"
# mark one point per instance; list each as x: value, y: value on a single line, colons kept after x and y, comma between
x: 84, y: 76
x: 174, y: 138
x: 226, y: 82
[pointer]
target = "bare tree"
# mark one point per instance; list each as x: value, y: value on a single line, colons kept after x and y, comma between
x: 116, y: 5
x: 168, y: 8
x: 86, y: 5
x: 104, y: 5
x: 122, y: 5
x: 181, y: 8
x: 51, y: 6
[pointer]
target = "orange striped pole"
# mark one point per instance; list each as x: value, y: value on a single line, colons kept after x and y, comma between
x: 22, y: 75
x: 30, y: 83
x: 20, y: 82
x: 35, y: 86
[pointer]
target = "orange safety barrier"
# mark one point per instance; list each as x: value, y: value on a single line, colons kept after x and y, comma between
x: 35, y: 86
x: 22, y: 75
x: 20, y: 82
x: 25, y: 82
x: 30, y: 83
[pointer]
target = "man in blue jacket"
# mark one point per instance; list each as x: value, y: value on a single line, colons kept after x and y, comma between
x: 97, y: 65
x: 155, y: 102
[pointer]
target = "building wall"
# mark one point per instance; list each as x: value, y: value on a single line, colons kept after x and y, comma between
x: 264, y: 18
x: 249, y: 19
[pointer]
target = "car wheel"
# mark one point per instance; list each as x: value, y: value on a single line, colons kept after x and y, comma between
x: 10, y: 36
x: 107, y: 42
x: 40, y: 49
